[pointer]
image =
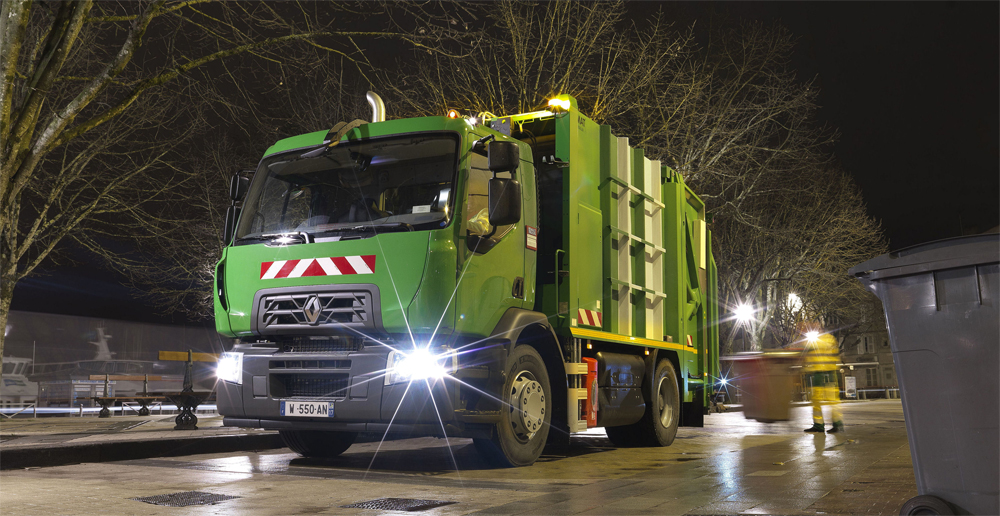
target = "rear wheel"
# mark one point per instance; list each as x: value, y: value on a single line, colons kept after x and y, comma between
x: 315, y: 443
x: 525, y: 412
x: 658, y: 426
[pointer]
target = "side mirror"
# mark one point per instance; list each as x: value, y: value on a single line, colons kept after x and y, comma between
x: 238, y: 187
x: 505, y: 201
x: 229, y: 226
x: 503, y: 156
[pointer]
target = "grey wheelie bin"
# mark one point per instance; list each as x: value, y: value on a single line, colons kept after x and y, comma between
x: 941, y: 304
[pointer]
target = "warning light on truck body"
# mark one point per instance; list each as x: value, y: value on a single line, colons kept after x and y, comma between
x: 560, y: 104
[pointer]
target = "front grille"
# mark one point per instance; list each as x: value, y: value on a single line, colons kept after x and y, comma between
x: 307, y: 345
x: 310, y: 385
x: 350, y: 308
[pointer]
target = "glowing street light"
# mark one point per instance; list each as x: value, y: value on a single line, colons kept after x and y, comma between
x: 743, y: 313
x: 794, y: 302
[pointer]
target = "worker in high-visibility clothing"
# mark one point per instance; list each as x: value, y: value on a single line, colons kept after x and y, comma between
x: 822, y: 354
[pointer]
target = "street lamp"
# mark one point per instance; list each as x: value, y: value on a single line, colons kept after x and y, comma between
x: 743, y: 313
x: 794, y: 302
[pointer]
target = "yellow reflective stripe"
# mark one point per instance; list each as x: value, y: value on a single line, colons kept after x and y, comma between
x: 582, y: 333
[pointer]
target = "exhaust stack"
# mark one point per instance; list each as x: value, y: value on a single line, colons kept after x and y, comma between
x: 378, y: 107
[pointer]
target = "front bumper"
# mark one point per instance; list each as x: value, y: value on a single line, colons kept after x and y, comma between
x: 354, y: 383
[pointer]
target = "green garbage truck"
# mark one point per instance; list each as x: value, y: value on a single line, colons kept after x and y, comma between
x: 509, y: 279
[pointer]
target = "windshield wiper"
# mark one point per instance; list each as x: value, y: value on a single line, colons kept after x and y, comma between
x: 391, y: 226
x: 358, y: 231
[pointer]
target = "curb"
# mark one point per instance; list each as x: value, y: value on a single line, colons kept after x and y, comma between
x: 38, y: 457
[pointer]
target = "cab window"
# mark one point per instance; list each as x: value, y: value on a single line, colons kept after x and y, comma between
x: 478, y: 227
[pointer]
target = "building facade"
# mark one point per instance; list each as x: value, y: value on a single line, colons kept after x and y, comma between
x: 868, y: 358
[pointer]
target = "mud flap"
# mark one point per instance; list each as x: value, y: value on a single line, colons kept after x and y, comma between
x: 693, y: 413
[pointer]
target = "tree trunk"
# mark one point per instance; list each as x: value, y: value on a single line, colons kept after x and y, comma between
x: 6, y: 294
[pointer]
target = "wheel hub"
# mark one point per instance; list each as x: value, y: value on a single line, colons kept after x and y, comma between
x: 528, y: 406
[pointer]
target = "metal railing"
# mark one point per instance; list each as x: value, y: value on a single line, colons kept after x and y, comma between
x: 162, y: 408
x: 24, y: 406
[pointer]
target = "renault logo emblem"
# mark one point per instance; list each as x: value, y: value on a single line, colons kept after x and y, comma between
x: 312, y: 309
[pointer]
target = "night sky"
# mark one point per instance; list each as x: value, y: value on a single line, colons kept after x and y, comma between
x: 912, y: 88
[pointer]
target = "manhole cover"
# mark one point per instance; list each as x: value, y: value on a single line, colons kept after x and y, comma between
x: 185, y: 499
x: 399, y: 504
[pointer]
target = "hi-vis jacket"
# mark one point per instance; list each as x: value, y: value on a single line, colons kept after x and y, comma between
x: 822, y: 355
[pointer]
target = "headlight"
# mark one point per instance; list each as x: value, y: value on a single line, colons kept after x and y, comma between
x: 419, y: 364
x: 230, y: 368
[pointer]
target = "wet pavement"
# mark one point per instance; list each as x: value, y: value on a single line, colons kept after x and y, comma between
x: 57, y: 441
x: 731, y: 466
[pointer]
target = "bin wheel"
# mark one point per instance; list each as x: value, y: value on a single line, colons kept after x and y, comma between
x: 658, y: 425
x: 526, y: 413
x: 926, y: 505
x: 317, y: 443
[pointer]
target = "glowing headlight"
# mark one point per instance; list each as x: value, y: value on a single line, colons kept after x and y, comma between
x: 230, y: 368
x: 419, y: 364
x: 723, y: 381
x: 812, y: 336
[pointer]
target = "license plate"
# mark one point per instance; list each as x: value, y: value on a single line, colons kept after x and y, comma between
x: 307, y: 408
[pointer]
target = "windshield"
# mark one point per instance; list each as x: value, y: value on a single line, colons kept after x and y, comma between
x: 389, y: 184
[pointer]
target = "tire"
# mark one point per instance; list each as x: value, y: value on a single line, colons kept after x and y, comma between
x: 925, y: 505
x: 625, y: 436
x: 525, y: 414
x: 317, y: 443
x: 658, y: 426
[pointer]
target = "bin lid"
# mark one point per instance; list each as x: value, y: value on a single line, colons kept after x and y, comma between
x: 931, y: 256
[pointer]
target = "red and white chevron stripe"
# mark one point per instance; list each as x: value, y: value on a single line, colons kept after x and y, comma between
x: 589, y: 317
x: 333, y: 266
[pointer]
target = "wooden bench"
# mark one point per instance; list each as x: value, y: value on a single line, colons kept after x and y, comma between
x: 143, y: 399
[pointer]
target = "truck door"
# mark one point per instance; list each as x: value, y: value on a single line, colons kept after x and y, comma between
x: 492, y: 258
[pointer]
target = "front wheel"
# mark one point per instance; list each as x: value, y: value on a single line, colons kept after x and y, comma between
x: 319, y: 444
x: 525, y: 412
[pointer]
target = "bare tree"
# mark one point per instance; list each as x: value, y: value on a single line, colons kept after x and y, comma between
x: 802, y: 241
x: 175, y: 254
x: 530, y: 52
x: 77, y: 160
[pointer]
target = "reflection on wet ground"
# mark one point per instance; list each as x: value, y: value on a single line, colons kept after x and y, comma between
x: 730, y: 466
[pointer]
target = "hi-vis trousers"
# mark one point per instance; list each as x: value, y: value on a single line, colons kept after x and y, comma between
x: 824, y: 391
